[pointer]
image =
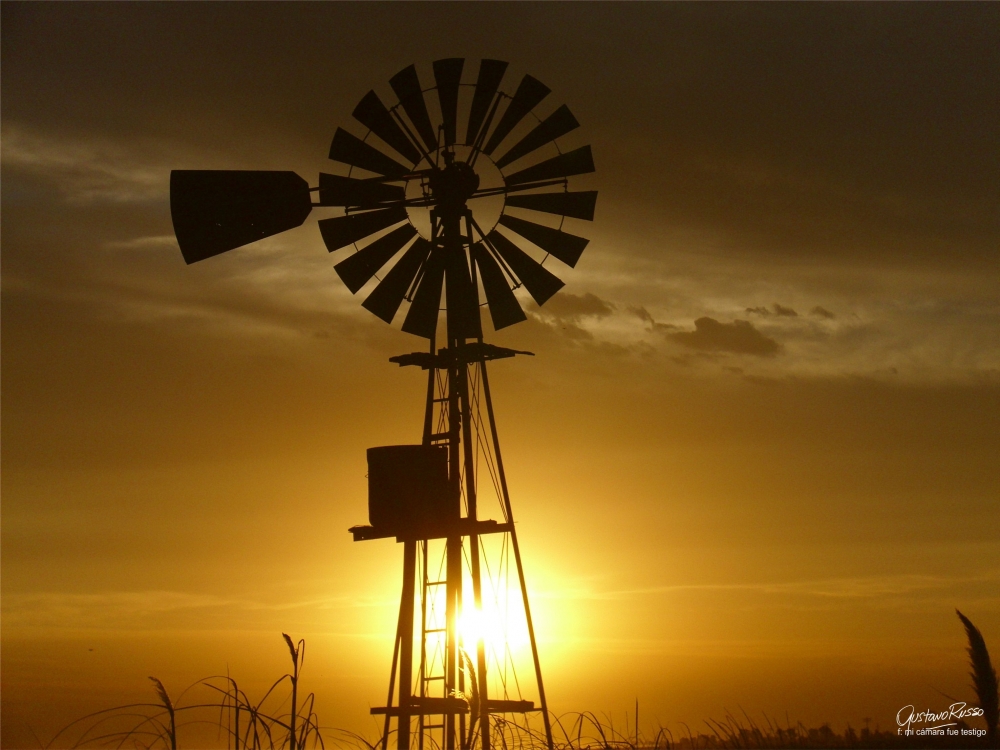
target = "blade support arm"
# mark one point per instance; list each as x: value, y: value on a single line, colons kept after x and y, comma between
x: 413, y: 139
x: 487, y: 192
x: 478, y: 145
x: 496, y: 256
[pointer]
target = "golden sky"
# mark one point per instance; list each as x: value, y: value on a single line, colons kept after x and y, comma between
x: 754, y: 462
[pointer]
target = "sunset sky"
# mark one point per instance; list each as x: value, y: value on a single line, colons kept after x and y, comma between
x: 754, y: 461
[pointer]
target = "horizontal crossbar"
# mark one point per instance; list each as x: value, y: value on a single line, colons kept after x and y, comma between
x: 462, y: 527
x: 450, y: 706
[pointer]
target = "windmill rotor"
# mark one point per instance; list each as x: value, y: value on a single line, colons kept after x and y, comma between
x: 415, y: 166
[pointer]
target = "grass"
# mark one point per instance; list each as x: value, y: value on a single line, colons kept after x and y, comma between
x: 984, y: 677
x: 215, y: 712
x: 211, y: 706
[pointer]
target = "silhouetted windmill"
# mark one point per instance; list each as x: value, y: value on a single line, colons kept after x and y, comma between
x: 410, y: 167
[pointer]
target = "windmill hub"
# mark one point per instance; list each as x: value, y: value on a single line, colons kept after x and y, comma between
x: 452, y: 186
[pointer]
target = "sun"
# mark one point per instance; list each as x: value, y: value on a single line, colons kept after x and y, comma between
x: 502, y: 632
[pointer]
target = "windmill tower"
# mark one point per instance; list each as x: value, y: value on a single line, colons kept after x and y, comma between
x: 430, y: 219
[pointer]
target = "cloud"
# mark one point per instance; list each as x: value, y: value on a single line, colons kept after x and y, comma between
x: 642, y: 314
x: 786, y: 312
x: 822, y: 312
x: 151, y: 242
x: 158, y: 608
x: 86, y: 171
x: 866, y: 587
x: 780, y: 310
x: 574, y: 307
x: 739, y: 337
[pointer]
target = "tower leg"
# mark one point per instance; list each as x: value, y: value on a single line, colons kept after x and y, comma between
x: 392, y: 675
x: 454, y: 566
x: 406, y: 643
x: 422, y: 672
x: 477, y: 586
x: 517, y: 557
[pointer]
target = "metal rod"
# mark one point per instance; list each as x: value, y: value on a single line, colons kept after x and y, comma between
x: 487, y: 192
x: 420, y: 202
x: 517, y: 556
x: 429, y: 409
x: 454, y: 563
x: 477, y: 586
x: 481, y: 136
x: 453, y: 545
x: 392, y: 671
x: 406, y: 644
x: 496, y: 256
x: 477, y: 589
x: 459, y: 607
x: 413, y: 138
x: 423, y: 634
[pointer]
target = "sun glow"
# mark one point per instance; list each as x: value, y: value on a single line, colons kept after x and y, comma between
x: 501, y: 628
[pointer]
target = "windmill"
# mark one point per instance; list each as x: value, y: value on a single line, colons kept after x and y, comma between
x: 431, y: 216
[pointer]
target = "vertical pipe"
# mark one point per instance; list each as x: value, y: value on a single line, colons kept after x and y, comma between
x: 454, y: 548
x: 517, y: 557
x: 406, y: 643
x: 428, y: 431
x: 484, y: 713
x: 429, y: 408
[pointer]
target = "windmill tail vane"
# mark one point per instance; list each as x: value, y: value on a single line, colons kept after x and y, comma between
x: 453, y: 191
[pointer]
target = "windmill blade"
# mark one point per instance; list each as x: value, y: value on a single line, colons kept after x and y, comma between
x: 566, y: 247
x: 504, y: 307
x: 490, y: 74
x: 540, y: 283
x: 578, y: 205
x: 356, y: 270
x: 343, y: 230
x: 559, y: 123
x: 448, y: 76
x: 529, y: 93
x: 580, y: 161
x: 461, y: 299
x: 421, y: 318
x: 350, y: 149
x: 217, y: 210
x: 335, y: 190
x: 407, y: 87
x: 372, y: 113
x: 385, y: 299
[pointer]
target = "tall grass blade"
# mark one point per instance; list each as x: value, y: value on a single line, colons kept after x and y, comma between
x: 984, y: 678
x: 167, y: 704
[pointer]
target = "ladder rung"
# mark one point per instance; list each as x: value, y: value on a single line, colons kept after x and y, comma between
x: 433, y: 726
x: 440, y: 436
x: 436, y: 630
x: 435, y: 583
x: 441, y: 400
x: 438, y: 677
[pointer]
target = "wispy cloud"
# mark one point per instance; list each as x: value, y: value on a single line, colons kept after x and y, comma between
x: 915, y: 325
x: 152, y: 242
x: 151, y: 609
x: 857, y: 588
x: 87, y: 171
x: 739, y: 337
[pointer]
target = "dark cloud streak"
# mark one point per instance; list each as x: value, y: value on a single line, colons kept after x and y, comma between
x: 738, y: 337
